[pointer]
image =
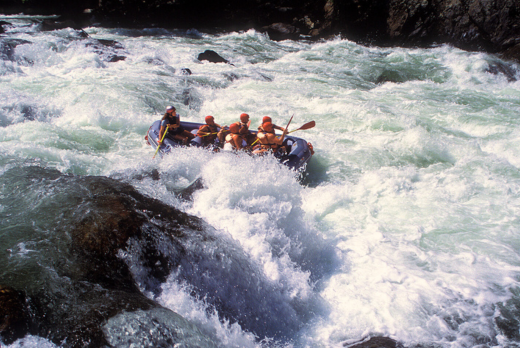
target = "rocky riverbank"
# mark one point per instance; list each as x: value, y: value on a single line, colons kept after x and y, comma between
x: 490, y: 26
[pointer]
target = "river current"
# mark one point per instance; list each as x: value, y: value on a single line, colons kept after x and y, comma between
x: 405, y: 224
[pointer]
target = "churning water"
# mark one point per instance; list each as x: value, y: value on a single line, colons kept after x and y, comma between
x: 406, y: 224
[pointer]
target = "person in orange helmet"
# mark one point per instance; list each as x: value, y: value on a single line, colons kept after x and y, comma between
x: 244, y: 129
x: 268, y: 140
x: 268, y: 119
x: 235, y: 140
x: 210, y: 132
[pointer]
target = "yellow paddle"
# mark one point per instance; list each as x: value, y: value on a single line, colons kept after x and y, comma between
x: 158, y: 146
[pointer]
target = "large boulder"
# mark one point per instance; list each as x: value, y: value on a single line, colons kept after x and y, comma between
x: 282, y: 31
x: 491, y: 26
x: 14, y: 317
x: 211, y: 56
x: 77, y: 280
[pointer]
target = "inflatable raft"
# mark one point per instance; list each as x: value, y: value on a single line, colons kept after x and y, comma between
x: 298, y: 154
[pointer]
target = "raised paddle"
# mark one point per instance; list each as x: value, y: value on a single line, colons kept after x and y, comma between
x: 158, y: 146
x: 308, y: 125
x: 286, y: 128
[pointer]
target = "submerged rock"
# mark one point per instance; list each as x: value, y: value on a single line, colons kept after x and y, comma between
x: 108, y: 50
x: 186, y: 71
x: 7, y: 47
x: 498, y: 68
x: 376, y: 342
x: 157, y: 327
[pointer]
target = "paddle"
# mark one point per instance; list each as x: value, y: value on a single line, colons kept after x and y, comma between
x: 286, y: 128
x: 308, y: 125
x: 158, y: 146
x: 223, y: 129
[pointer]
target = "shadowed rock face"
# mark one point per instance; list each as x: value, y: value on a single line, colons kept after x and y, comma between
x: 469, y: 24
x: 73, y: 280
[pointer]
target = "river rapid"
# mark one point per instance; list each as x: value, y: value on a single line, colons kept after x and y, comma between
x: 404, y: 225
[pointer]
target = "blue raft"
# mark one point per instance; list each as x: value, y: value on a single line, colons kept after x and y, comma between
x: 298, y: 154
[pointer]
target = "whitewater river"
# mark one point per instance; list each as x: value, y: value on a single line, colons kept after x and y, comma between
x: 405, y: 225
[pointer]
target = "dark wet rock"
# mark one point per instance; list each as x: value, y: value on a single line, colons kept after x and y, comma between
x: 156, y: 61
x: 188, y: 192
x: 14, y: 317
x: 185, y: 71
x: 109, y: 50
x: 265, y: 77
x: 282, y: 31
x: 90, y: 281
x: 376, y: 342
x: 79, y: 323
x: 468, y: 24
x: 231, y: 76
x: 211, y: 56
x: 7, y: 47
x: 490, y: 26
x: 499, y: 68
x: 508, y: 319
x: 166, y: 326
x: 191, y: 98
x: 512, y: 53
x: 390, y: 76
x: 28, y: 112
x: 110, y: 43
x: 115, y: 58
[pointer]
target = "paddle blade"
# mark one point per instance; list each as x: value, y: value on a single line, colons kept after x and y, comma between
x: 308, y: 125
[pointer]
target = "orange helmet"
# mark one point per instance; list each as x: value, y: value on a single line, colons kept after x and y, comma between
x: 266, y: 119
x: 234, y: 128
x: 244, y: 117
x: 209, y: 118
x: 268, y: 127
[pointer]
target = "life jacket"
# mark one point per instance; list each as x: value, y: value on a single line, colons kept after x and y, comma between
x: 231, y: 142
x: 207, y: 138
x: 265, y: 143
x: 206, y: 128
x: 172, y: 120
